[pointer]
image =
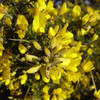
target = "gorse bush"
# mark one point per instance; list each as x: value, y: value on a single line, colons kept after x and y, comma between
x: 47, y: 53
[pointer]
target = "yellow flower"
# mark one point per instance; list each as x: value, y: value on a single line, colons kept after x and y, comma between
x: 54, y: 97
x: 63, y: 95
x: 22, y: 22
x: 44, y: 78
x: 22, y: 49
x: 73, y: 65
x: 83, y: 31
x: 91, y: 30
x: 16, y: 0
x: 37, y: 76
x: 90, y: 10
x: 8, y: 21
x: 64, y: 9
x: 1, y: 49
x: 50, y: 9
x: 93, y: 18
x: 57, y: 91
x: 7, y: 81
x: 46, y: 97
x: 65, y: 61
x: 76, y: 11
x: 38, y: 25
x: 16, y: 85
x: 51, y: 32
x: 36, y: 9
x: 68, y: 35
x: 89, y: 51
x: 95, y: 37
x: 21, y: 33
x: 41, y: 4
x: 55, y: 75
x: 73, y: 76
x: 23, y: 78
x: 66, y: 84
x: 63, y: 30
x: 23, y: 59
x: 2, y: 10
x: 5, y: 64
x: 85, y: 19
x: 11, y: 86
x: 45, y: 89
x: 92, y: 87
x: 88, y: 66
x: 1, y: 15
x: 56, y: 28
x: 97, y: 94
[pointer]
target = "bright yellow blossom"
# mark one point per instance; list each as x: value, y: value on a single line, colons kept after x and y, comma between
x: 45, y: 89
x: 89, y: 51
x: 16, y: 0
x: 46, y: 97
x: 42, y: 4
x: 22, y: 49
x: 76, y: 11
x: 55, y: 75
x: 88, y: 66
x: 22, y: 22
x: 97, y: 94
x: 83, y: 31
x: 57, y: 91
x: 8, y: 21
x: 21, y: 33
x: 1, y: 49
x: 72, y: 76
x: 7, y: 81
x: 2, y: 10
x: 11, y: 86
x: 95, y: 37
x: 64, y: 9
x: 44, y: 78
x: 5, y: 64
x: 85, y: 19
x: 1, y: 15
x: 54, y: 97
x: 93, y: 18
x: 50, y: 9
x: 23, y: 78
x: 51, y: 32
x: 90, y: 10
x: 37, y: 76
x: 38, y: 25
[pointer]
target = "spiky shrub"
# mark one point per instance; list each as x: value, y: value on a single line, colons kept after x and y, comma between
x: 45, y: 51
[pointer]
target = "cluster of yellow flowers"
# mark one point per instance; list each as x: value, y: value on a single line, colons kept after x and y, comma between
x: 44, y: 57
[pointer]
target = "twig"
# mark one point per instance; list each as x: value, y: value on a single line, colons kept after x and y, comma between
x: 21, y: 40
x: 19, y: 59
x: 27, y: 91
x: 87, y: 44
x: 93, y: 80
